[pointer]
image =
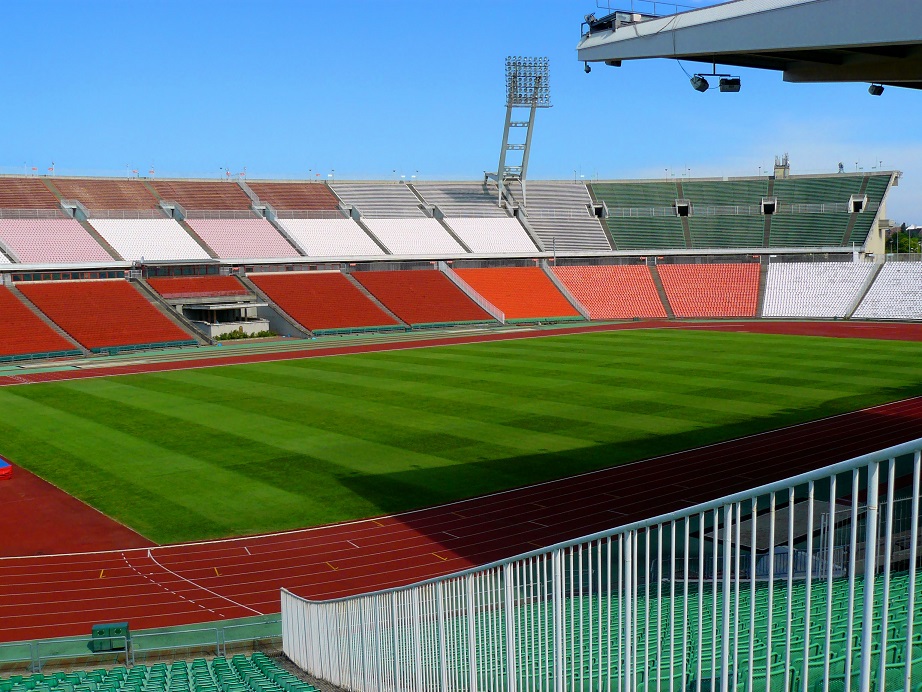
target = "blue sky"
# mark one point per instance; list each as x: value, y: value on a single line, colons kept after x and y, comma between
x: 399, y: 87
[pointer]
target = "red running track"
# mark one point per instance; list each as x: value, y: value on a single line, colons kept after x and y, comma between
x: 173, y: 585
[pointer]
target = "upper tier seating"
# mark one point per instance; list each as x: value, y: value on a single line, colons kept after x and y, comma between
x: 493, y: 235
x: 331, y: 237
x: 107, y: 193
x: 50, y: 241
x: 642, y: 215
x: 813, y: 289
x: 380, y: 200
x: 26, y: 193
x: 421, y: 297
x: 210, y: 286
x: 560, y: 216
x: 711, y: 290
x: 423, y: 236
x: 209, y: 195
x: 24, y: 333
x: 149, y: 239
x: 522, y: 293
x: 613, y: 292
x: 104, y: 314
x: 463, y: 199
x: 896, y: 293
x: 296, y: 196
x: 801, y: 221
x: 242, y: 238
x: 877, y: 187
x: 322, y: 301
x: 726, y: 213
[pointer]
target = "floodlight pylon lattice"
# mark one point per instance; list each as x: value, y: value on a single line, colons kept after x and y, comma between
x: 527, y: 87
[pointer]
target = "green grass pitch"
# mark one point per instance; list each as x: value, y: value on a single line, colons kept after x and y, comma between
x: 254, y: 448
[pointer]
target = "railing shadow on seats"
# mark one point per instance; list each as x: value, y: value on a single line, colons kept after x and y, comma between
x: 599, y: 613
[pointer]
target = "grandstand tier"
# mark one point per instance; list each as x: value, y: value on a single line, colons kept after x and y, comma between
x: 24, y: 333
x: 104, y: 314
x: 711, y: 290
x: 501, y: 236
x: 463, y: 199
x: 613, y: 291
x: 205, y: 195
x: 380, y: 200
x: 421, y: 297
x: 331, y: 237
x: 242, y: 238
x: 896, y: 293
x: 26, y: 193
x: 322, y: 301
x: 149, y: 239
x: 107, y: 193
x: 51, y: 241
x: 522, y: 293
x: 813, y: 289
x: 298, y: 196
x: 560, y: 216
x: 642, y: 214
x: 420, y: 237
x: 211, y: 286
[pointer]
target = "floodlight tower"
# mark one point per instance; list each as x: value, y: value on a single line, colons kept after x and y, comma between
x: 527, y: 87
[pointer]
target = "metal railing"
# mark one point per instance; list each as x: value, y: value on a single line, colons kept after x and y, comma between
x: 225, y: 214
x: 32, y: 214
x: 157, y: 213
x: 595, y: 614
x: 140, y: 645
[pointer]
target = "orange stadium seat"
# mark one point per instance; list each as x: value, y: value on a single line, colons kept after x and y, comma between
x: 711, y: 290
x: 24, y: 333
x: 322, y: 300
x: 421, y: 297
x: 198, y: 286
x: 612, y: 292
x: 104, y: 314
x: 520, y: 292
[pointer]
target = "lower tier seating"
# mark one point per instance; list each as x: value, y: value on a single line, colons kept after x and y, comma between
x: 50, y: 241
x: 613, y: 292
x: 242, y: 238
x: 896, y: 293
x: 421, y: 297
x: 322, y: 301
x: 259, y: 673
x: 711, y: 290
x: 104, y: 314
x: 211, y: 286
x: 24, y: 333
x: 813, y: 289
x: 522, y: 293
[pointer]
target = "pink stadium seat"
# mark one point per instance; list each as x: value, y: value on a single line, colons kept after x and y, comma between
x: 198, y: 286
x: 101, y: 314
x: 51, y: 241
x: 520, y: 292
x: 242, y: 238
x: 711, y: 290
x: 613, y: 292
x: 421, y: 297
x: 321, y: 300
x: 23, y: 332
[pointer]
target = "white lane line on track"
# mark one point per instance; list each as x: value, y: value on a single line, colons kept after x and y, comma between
x: 199, y: 586
x: 165, y: 588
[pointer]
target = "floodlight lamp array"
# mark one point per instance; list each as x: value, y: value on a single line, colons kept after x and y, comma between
x: 528, y: 81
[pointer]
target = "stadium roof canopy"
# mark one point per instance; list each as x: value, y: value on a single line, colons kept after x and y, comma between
x: 877, y: 41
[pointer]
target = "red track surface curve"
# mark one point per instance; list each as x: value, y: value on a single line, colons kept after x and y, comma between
x: 63, y: 595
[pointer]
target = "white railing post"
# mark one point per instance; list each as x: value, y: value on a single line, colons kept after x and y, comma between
x: 471, y: 631
x: 870, y: 569
x: 511, y: 633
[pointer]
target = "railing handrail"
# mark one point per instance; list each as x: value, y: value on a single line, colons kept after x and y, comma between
x: 894, y: 451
